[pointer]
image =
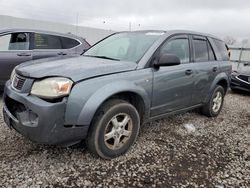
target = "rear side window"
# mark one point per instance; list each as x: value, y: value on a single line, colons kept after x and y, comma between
x: 68, y: 43
x: 44, y: 41
x: 221, y: 47
x: 200, y: 49
x: 178, y: 47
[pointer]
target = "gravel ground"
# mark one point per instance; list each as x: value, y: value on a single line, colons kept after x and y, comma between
x: 210, y: 152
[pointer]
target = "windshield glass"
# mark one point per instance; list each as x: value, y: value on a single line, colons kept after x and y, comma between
x: 130, y: 46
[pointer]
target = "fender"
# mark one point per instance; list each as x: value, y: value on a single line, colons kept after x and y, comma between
x: 96, y: 100
x: 218, y: 78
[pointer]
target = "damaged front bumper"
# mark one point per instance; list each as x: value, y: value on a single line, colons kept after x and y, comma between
x: 39, y: 120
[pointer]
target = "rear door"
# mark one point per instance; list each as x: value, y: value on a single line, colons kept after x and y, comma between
x: 14, y: 49
x: 207, y: 68
x: 46, y: 45
x: 173, y: 85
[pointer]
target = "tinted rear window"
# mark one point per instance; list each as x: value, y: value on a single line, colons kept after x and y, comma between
x: 221, y: 47
x: 43, y: 41
x: 68, y: 43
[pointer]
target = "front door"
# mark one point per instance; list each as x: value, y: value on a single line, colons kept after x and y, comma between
x: 173, y: 85
x: 14, y: 49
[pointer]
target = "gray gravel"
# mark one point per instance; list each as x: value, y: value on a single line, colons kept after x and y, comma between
x: 215, y: 153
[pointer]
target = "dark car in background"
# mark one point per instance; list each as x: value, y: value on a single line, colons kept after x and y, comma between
x: 20, y: 45
x: 240, y: 79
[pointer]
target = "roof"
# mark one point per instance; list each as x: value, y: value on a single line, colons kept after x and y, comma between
x: 177, y: 31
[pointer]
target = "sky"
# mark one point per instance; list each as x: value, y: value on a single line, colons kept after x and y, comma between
x: 219, y: 17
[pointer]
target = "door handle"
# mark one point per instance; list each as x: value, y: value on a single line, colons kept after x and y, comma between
x: 62, y: 53
x: 189, y: 72
x: 215, y: 69
x: 24, y: 54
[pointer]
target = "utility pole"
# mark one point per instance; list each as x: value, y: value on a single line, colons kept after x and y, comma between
x: 130, y: 26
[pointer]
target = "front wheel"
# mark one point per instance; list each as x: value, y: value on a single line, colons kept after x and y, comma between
x: 215, y: 103
x: 114, y: 129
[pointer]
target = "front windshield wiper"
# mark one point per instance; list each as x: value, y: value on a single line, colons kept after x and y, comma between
x: 103, y: 57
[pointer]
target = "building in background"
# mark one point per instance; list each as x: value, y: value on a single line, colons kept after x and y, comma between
x: 92, y: 35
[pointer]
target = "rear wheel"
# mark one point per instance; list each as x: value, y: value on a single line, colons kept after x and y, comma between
x: 215, y: 103
x: 114, y: 129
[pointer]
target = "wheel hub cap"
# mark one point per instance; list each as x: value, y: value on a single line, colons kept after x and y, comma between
x: 118, y: 131
x: 217, y: 101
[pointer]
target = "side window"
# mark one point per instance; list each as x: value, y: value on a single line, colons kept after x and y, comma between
x: 200, y: 50
x: 14, y: 41
x: 211, y: 53
x: 221, y: 47
x: 178, y: 47
x: 44, y: 41
x: 68, y: 43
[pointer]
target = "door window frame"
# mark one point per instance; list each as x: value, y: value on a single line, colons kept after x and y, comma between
x: 156, y: 54
x: 204, y: 38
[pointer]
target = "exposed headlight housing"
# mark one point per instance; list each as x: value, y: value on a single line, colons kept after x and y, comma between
x: 12, y: 75
x: 50, y: 88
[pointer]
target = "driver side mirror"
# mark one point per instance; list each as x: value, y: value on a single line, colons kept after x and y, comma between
x: 168, y: 60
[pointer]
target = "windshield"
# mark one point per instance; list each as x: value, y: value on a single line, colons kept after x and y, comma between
x: 130, y: 46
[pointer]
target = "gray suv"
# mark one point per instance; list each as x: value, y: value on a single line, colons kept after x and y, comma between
x: 20, y: 45
x: 125, y: 80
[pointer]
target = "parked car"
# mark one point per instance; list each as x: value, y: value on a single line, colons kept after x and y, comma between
x: 123, y: 81
x: 240, y: 79
x: 20, y: 45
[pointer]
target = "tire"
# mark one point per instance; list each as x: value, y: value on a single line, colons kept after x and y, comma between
x: 108, y: 137
x: 214, y: 105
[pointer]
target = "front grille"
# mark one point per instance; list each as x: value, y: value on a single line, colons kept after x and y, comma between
x: 18, y: 82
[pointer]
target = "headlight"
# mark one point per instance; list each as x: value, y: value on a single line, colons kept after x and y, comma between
x: 52, y: 87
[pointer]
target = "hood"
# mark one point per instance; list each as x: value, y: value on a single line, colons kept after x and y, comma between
x: 243, y: 68
x: 76, y: 68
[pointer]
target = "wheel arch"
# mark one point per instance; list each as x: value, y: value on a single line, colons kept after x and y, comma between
x: 222, y: 80
x: 127, y: 91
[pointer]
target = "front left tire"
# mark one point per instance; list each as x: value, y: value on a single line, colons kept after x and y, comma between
x: 114, y: 129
